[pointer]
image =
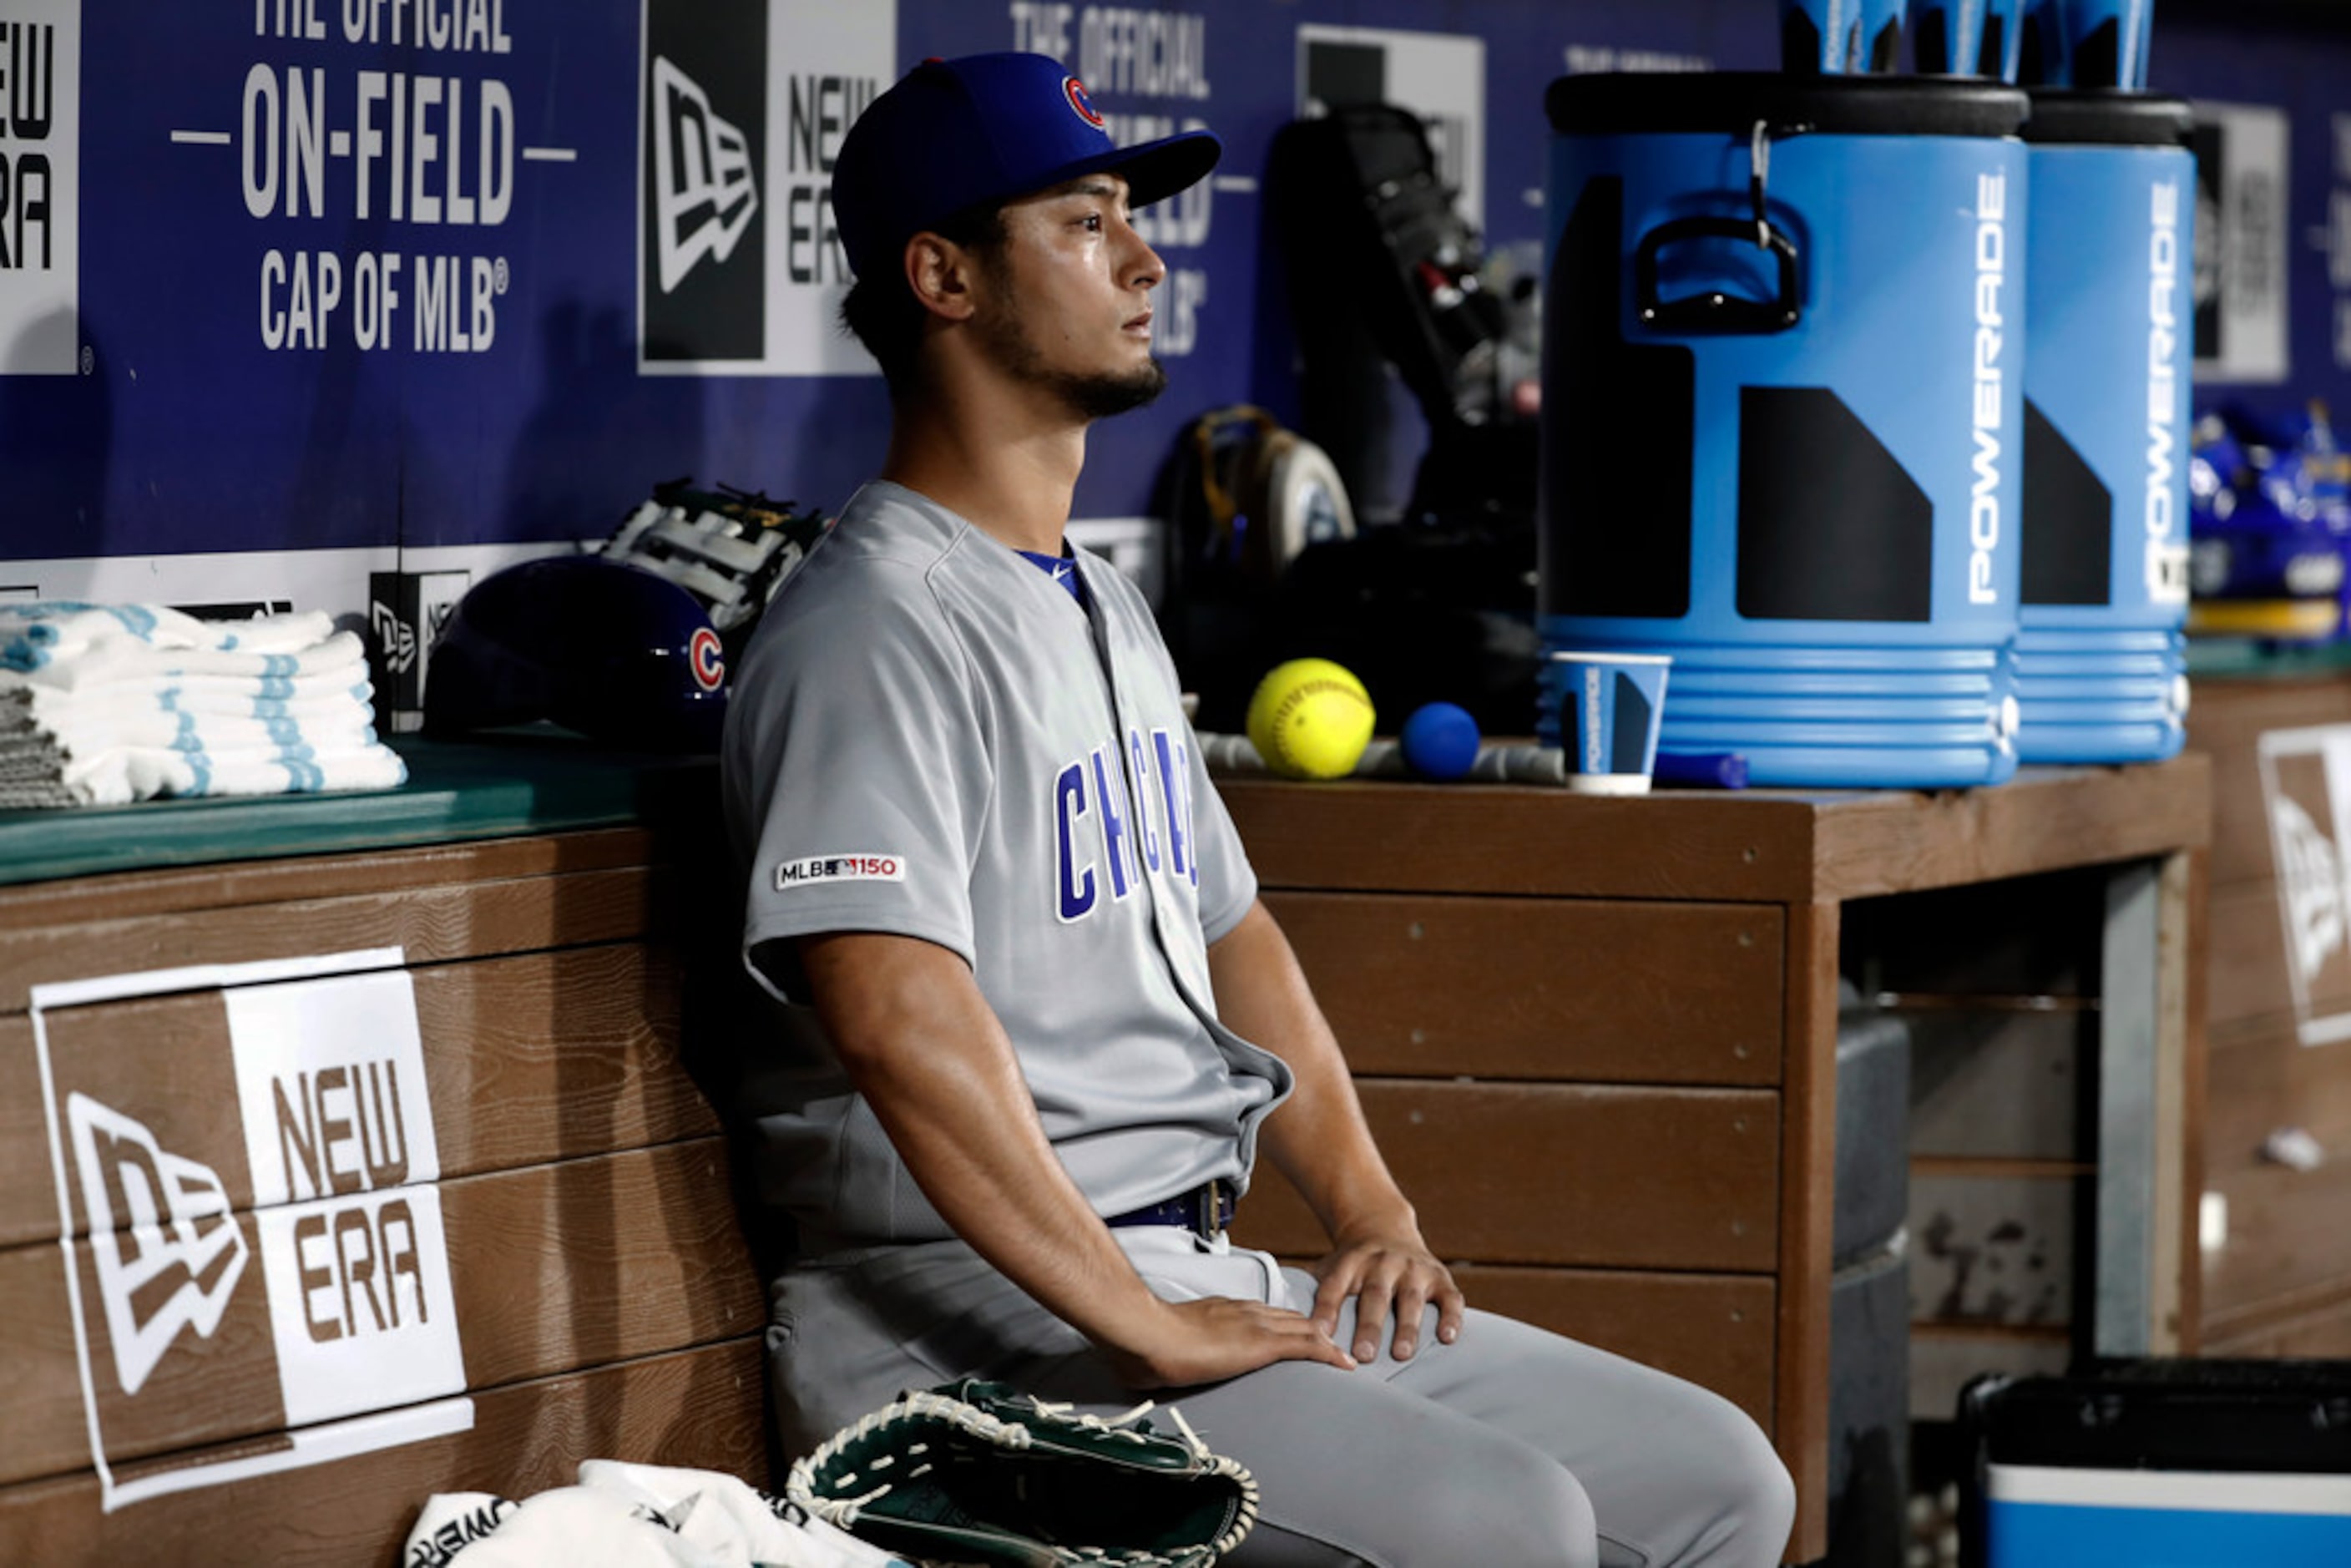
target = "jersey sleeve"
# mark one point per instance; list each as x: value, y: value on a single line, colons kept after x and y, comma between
x: 856, y: 767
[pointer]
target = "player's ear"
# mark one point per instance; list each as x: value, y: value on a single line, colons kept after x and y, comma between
x: 942, y: 274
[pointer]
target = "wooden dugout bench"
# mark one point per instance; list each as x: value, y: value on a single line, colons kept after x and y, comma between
x: 1592, y: 1036
x: 473, y: 1226
x: 1596, y: 1039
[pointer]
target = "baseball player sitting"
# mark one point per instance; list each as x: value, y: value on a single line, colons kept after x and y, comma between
x: 1036, y: 1026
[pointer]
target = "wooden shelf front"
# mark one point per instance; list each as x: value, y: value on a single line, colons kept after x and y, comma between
x: 601, y: 1302
x: 1597, y: 1037
x: 1661, y: 993
x: 1623, y: 1011
x: 1747, y: 846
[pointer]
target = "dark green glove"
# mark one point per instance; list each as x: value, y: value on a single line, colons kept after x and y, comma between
x: 977, y: 1472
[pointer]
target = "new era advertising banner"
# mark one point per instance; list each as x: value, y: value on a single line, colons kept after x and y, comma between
x: 399, y: 285
x: 256, y: 1226
x: 381, y: 278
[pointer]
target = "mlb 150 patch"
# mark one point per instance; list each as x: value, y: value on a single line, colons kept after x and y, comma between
x: 791, y: 874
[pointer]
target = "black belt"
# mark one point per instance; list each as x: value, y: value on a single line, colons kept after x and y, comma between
x: 1205, y: 1211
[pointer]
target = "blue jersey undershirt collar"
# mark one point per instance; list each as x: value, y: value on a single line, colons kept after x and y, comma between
x: 1061, y: 569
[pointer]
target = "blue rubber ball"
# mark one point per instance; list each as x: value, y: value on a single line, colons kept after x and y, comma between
x: 1440, y: 741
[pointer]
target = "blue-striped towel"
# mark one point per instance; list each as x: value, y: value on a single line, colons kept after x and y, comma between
x: 164, y: 729
x: 104, y: 706
x: 340, y: 656
x: 118, y: 777
x: 47, y: 631
x: 324, y: 703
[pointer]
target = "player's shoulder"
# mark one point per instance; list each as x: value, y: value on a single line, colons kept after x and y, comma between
x: 886, y: 525
x: 878, y: 558
x: 866, y: 585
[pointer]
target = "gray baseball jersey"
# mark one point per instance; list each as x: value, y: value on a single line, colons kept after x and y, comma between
x: 928, y: 737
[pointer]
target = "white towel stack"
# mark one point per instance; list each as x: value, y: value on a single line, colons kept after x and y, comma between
x: 105, y: 703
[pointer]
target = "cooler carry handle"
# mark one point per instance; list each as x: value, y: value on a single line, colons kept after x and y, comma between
x: 1714, y: 310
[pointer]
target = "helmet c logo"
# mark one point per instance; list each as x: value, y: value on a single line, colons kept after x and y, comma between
x: 1076, y: 91
x: 704, y: 657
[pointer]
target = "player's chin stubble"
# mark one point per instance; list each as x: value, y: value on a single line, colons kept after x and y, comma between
x: 1098, y: 396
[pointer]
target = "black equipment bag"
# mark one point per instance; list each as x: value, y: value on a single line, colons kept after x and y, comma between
x: 1375, y: 249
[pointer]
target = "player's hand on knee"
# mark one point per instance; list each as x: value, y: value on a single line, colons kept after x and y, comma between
x: 1387, y: 1275
x: 1215, y: 1338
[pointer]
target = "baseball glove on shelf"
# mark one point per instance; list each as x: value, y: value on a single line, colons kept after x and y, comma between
x: 975, y: 1472
x: 731, y: 549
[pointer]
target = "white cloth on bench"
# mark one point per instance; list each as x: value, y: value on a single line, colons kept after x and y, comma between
x: 623, y: 1515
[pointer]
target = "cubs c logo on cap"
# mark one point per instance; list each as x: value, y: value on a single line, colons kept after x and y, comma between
x: 709, y: 663
x: 1076, y: 91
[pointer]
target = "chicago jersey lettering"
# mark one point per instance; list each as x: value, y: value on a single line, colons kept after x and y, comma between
x: 1146, y: 835
x: 1128, y: 838
x: 1117, y: 847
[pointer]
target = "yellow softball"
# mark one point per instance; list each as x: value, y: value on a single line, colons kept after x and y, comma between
x: 1311, y: 719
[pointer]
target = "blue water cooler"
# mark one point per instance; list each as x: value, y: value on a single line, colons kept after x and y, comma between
x: 2101, y: 651
x: 1782, y: 395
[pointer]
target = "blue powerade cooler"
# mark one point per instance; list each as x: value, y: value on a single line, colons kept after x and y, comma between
x: 2101, y: 649
x: 1782, y: 392
x: 2161, y: 1464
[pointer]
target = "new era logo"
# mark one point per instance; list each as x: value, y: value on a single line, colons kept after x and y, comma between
x: 2310, y: 887
x: 163, y: 1234
x: 2306, y: 787
x: 394, y: 638
x: 742, y: 108
x: 705, y: 191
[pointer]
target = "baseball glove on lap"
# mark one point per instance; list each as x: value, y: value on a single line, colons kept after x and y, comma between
x: 975, y: 1473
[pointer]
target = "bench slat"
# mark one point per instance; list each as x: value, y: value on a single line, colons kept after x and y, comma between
x: 553, y: 1269
x: 467, y: 920
x: 532, y: 1058
x: 1437, y: 986
x: 1564, y: 1174
x: 698, y: 1408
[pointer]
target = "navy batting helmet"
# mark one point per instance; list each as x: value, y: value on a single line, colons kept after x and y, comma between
x: 612, y: 651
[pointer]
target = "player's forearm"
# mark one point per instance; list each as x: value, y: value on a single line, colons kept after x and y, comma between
x: 971, y: 1142
x: 928, y: 1055
x: 1319, y: 1137
x: 1332, y: 1160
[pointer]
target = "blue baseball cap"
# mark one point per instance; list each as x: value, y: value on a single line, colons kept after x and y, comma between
x: 962, y: 133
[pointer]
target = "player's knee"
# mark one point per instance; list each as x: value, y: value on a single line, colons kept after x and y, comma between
x: 1754, y: 1496
x: 1510, y: 1505
x: 1765, y: 1497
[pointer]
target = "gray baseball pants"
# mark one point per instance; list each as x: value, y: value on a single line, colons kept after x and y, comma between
x: 1511, y: 1447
